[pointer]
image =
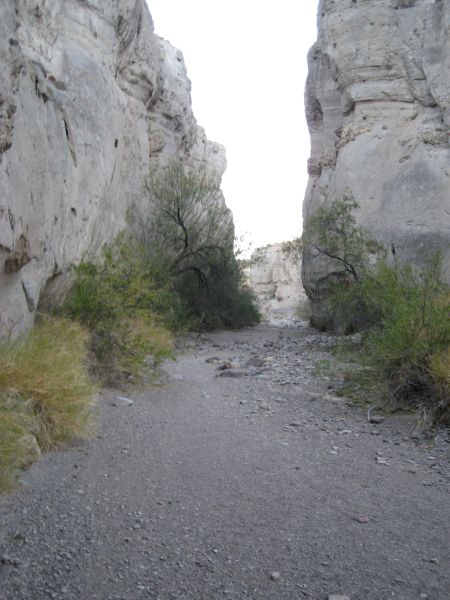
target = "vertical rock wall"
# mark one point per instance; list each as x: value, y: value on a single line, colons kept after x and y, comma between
x: 378, y: 110
x: 275, y: 277
x: 90, y: 100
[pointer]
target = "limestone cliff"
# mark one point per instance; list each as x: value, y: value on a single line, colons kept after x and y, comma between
x: 275, y: 277
x: 378, y: 110
x: 90, y: 100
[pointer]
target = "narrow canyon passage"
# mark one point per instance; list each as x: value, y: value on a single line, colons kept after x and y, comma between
x: 252, y: 481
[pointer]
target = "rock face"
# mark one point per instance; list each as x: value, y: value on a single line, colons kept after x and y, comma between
x: 90, y: 101
x: 275, y: 276
x: 378, y: 110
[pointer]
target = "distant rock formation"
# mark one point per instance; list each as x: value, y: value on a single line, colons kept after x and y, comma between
x: 90, y: 101
x: 275, y: 277
x: 378, y: 110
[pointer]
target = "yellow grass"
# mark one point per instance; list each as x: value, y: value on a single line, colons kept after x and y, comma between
x: 440, y: 372
x: 45, y: 392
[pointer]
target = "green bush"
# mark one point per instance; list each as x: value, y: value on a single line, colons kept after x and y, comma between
x: 410, y: 346
x: 190, y: 231
x: 405, y: 314
x: 332, y: 236
x: 128, y: 305
x: 222, y: 299
x: 404, y: 311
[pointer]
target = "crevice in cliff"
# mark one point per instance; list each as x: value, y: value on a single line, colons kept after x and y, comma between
x: 51, y: 90
x: 70, y: 140
x: 128, y: 29
x: 8, y: 90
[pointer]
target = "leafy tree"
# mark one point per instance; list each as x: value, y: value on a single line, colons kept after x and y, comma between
x: 190, y: 230
x: 188, y: 219
x: 332, y: 235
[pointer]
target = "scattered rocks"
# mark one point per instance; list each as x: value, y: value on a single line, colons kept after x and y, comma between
x: 213, y: 360
x: 5, y: 559
x: 138, y: 500
x: 121, y: 401
x: 235, y: 373
x: 375, y: 419
x: 363, y: 519
x: 255, y: 361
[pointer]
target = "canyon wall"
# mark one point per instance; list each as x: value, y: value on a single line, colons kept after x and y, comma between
x: 91, y: 101
x: 275, y: 277
x: 378, y: 111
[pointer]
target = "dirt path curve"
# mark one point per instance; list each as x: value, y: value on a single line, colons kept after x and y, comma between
x: 260, y: 485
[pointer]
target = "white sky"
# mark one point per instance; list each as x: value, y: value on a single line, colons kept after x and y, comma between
x: 247, y: 63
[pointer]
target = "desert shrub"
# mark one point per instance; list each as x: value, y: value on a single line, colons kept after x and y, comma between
x: 15, y: 440
x: 45, y: 393
x: 405, y: 315
x: 332, y: 236
x: 403, y: 310
x: 128, y: 305
x: 221, y: 299
x: 190, y: 231
x: 411, y: 343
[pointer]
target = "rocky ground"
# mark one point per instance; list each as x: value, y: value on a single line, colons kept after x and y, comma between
x: 242, y: 475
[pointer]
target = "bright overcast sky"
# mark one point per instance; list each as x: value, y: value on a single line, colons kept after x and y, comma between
x: 247, y: 63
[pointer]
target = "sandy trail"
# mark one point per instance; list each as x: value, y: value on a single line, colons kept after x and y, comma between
x: 261, y: 485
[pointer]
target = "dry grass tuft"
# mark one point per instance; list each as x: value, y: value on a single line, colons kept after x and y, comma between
x: 45, y: 393
x: 440, y: 373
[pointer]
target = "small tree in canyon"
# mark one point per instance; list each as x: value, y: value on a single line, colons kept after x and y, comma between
x: 190, y: 231
x: 188, y: 219
x: 403, y: 308
x: 332, y: 235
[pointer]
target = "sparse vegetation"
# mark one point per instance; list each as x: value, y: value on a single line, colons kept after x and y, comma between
x: 404, y: 311
x: 332, y: 235
x: 190, y: 232
x: 127, y: 304
x: 45, y: 394
x: 178, y: 273
x: 293, y: 247
x: 175, y: 271
x: 411, y: 345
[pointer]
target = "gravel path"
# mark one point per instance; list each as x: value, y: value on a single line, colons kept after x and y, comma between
x: 239, y: 478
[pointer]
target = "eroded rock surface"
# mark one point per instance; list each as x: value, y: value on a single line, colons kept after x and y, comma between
x: 275, y: 276
x: 90, y: 100
x: 378, y: 110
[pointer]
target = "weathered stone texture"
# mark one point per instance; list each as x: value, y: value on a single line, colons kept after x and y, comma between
x: 378, y: 110
x: 275, y: 277
x: 90, y: 101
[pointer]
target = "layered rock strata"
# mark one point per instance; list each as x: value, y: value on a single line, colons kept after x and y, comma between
x: 378, y: 111
x: 275, y: 277
x: 90, y: 101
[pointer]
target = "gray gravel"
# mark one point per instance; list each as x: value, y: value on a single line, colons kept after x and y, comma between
x: 257, y: 486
